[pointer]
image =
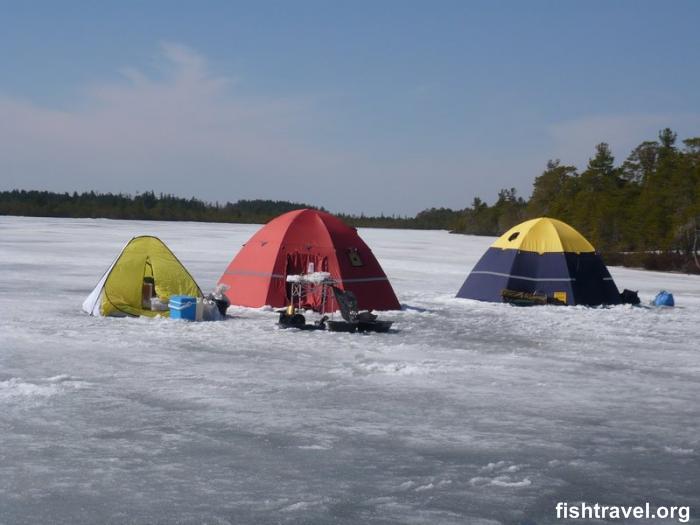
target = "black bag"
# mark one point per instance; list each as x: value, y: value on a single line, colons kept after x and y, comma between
x: 629, y: 297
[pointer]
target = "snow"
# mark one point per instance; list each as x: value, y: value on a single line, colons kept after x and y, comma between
x: 468, y: 413
x: 314, y: 278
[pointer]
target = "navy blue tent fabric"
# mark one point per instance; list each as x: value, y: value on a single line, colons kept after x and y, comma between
x: 582, y: 276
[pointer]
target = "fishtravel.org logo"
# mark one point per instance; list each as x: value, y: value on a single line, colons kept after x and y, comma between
x: 596, y: 511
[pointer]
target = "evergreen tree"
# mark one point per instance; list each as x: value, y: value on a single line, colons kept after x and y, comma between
x: 552, y: 191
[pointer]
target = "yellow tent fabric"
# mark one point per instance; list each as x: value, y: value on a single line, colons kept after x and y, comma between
x: 543, y: 235
x: 144, y: 257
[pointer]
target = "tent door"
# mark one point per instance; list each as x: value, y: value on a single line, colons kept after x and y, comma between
x: 299, y: 263
x: 148, y: 285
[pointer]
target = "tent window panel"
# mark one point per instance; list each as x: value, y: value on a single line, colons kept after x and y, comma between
x: 354, y: 256
x: 513, y: 236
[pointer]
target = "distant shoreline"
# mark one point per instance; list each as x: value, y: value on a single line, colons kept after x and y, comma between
x: 165, y: 207
x: 659, y: 262
x: 643, y: 213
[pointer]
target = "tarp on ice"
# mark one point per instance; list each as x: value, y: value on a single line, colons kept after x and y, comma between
x: 145, y: 268
x: 542, y: 256
x: 306, y: 241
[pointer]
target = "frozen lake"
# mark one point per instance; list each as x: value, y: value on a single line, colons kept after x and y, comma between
x: 470, y: 413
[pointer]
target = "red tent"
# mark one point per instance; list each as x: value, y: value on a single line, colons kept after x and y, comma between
x: 304, y: 241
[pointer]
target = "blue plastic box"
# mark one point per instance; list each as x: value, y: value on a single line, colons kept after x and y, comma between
x: 183, y: 307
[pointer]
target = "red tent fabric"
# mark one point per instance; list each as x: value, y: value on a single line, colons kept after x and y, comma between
x: 304, y: 241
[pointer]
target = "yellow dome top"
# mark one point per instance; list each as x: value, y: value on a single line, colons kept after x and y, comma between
x: 543, y: 235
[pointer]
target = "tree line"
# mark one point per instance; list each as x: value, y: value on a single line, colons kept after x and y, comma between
x: 644, y: 211
x: 142, y: 206
x: 166, y: 207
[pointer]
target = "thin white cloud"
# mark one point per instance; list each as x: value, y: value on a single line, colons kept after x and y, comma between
x: 182, y: 128
x: 185, y: 130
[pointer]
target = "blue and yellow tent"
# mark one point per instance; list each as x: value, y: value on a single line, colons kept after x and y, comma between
x: 545, y: 257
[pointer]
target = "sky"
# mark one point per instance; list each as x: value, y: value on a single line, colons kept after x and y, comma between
x: 362, y: 107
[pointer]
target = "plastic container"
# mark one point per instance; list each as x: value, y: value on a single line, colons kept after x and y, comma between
x: 157, y: 305
x: 183, y: 307
x: 663, y: 298
x: 199, y: 312
x: 146, y: 294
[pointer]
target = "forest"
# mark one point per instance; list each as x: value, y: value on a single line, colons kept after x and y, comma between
x: 142, y: 206
x: 644, y: 211
x: 165, y: 207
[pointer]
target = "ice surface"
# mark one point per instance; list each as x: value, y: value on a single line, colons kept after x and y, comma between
x: 470, y: 413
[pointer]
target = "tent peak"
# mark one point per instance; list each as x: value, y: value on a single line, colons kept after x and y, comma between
x: 544, y: 235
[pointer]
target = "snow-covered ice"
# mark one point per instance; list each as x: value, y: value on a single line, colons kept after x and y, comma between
x: 469, y: 413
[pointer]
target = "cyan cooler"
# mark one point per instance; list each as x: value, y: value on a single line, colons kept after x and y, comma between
x: 183, y: 307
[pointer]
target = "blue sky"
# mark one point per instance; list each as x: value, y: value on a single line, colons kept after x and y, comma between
x: 357, y: 106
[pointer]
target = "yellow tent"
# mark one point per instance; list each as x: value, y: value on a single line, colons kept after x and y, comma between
x: 145, y: 268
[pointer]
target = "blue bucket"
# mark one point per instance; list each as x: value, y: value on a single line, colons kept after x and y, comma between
x: 663, y: 298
